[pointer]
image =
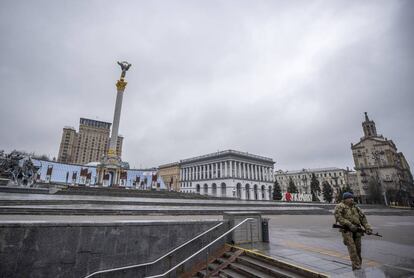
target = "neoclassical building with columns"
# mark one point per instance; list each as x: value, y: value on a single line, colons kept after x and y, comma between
x: 228, y: 173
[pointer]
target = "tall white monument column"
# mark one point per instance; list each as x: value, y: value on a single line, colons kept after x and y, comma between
x: 111, y: 164
x: 120, y: 86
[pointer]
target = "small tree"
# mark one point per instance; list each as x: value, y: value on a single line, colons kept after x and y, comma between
x: 374, y: 191
x: 315, y: 188
x: 292, y: 187
x: 327, y: 191
x: 339, y: 193
x: 277, y: 191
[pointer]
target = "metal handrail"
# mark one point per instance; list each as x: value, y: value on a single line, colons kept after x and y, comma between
x: 202, y: 249
x: 153, y: 262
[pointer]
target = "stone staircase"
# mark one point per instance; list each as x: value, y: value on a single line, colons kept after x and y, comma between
x: 240, y: 263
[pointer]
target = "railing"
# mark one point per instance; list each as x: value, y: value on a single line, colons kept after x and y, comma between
x: 157, y: 260
x: 201, y: 250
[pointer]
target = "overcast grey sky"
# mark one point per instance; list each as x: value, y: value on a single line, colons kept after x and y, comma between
x: 285, y: 79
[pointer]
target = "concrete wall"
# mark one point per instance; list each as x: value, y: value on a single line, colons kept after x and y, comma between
x: 78, y: 249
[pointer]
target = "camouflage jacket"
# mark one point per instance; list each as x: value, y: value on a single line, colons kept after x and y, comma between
x: 350, y: 215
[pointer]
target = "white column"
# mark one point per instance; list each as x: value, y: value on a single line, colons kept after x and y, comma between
x: 248, y: 171
x: 269, y: 170
x: 217, y: 170
x: 244, y: 171
x: 240, y: 171
x: 205, y: 172
x: 192, y: 173
x: 117, y: 115
x: 199, y: 172
x: 202, y: 171
x: 272, y: 177
x: 181, y: 174
x: 221, y: 169
x: 261, y: 173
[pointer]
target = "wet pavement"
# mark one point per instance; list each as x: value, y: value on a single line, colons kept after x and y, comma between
x: 309, y: 241
x: 304, y: 240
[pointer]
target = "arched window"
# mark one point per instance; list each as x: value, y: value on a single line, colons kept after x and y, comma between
x: 255, y: 192
x: 263, y: 192
x: 270, y: 192
x: 223, y: 189
x: 205, y: 189
x: 247, y: 192
x: 214, y: 189
x: 238, y: 190
x: 198, y: 188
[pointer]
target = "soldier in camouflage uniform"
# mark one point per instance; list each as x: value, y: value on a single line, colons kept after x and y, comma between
x: 349, y: 215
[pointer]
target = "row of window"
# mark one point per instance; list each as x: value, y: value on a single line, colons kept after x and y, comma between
x: 250, y: 193
x: 304, y: 176
x: 225, y: 169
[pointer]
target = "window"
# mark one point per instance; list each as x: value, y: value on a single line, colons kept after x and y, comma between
x: 223, y: 189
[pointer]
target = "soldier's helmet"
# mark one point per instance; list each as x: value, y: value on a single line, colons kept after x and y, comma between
x: 347, y: 195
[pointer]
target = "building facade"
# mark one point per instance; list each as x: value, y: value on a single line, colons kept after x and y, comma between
x: 170, y: 173
x: 336, y: 177
x: 228, y: 173
x: 377, y: 159
x: 87, y: 145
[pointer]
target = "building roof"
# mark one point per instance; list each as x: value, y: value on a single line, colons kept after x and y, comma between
x: 220, y: 154
x: 169, y: 165
x: 311, y: 170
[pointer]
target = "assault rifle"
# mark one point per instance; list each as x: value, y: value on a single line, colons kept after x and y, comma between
x: 360, y: 230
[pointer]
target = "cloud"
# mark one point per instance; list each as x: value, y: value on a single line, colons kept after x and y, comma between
x: 286, y: 80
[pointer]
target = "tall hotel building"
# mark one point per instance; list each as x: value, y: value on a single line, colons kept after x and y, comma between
x: 87, y: 145
x: 228, y: 173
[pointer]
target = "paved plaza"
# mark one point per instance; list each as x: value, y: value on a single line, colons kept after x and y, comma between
x: 309, y: 241
x: 306, y: 239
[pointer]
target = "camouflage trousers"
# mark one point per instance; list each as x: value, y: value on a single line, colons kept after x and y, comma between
x: 353, y: 242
